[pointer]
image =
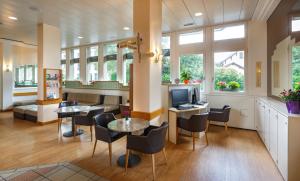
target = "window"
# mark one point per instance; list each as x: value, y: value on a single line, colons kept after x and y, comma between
x: 194, y: 65
x: 92, y: 63
x: 63, y: 65
x: 74, y: 64
x: 110, y: 62
x: 128, y: 59
x: 188, y: 38
x: 296, y: 67
x: 26, y: 76
x: 295, y: 24
x: 165, y: 44
x: 229, y: 71
x: 229, y: 32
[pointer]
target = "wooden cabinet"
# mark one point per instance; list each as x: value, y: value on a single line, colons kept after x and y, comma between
x: 282, y: 144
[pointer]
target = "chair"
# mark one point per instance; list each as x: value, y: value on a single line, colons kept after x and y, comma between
x: 64, y: 115
x: 102, y: 133
x: 153, y: 141
x: 86, y: 120
x: 197, y: 123
x: 220, y: 115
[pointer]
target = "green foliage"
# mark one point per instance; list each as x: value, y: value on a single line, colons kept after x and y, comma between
x: 111, y: 69
x: 233, y: 85
x: 166, y: 69
x: 296, y: 66
x: 228, y: 75
x: 221, y: 85
x: 290, y: 95
x: 194, y: 64
x: 185, y: 75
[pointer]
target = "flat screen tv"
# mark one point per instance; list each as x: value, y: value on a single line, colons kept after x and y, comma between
x: 179, y: 97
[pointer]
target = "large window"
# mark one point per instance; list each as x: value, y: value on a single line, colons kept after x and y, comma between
x: 26, y: 76
x: 166, y: 73
x: 193, y: 64
x: 92, y: 63
x: 229, y: 32
x: 128, y: 59
x: 74, y: 64
x: 63, y: 65
x: 110, y: 62
x: 296, y: 67
x: 193, y: 37
x: 295, y: 24
x: 229, y: 71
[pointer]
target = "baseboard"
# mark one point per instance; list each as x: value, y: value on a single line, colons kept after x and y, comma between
x: 46, y: 122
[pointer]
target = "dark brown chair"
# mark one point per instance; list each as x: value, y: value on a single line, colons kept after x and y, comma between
x: 196, y: 124
x: 87, y: 120
x: 64, y: 115
x: 220, y: 115
x: 153, y: 141
x: 102, y: 133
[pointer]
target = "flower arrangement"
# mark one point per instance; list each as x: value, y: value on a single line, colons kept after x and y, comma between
x: 233, y: 85
x: 292, y: 99
x: 221, y: 85
x: 185, y: 76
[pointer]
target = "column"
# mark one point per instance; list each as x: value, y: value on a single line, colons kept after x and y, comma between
x: 120, y: 65
x: 68, y: 64
x: 48, y: 58
x: 82, y: 61
x: 147, y: 21
x: 100, y: 62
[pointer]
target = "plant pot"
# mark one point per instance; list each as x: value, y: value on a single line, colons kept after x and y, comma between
x: 186, y: 81
x: 293, y: 107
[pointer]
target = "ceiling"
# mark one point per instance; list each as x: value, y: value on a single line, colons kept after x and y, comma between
x: 103, y: 20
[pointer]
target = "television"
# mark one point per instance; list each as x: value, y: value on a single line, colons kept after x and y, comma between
x: 179, y: 97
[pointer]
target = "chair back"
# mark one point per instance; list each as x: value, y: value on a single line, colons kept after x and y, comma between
x: 67, y: 103
x: 157, y: 138
x: 226, y: 111
x: 103, y: 119
x: 197, y: 123
x: 95, y: 112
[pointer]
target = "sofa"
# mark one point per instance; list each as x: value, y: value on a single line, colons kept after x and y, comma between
x: 111, y: 103
x: 84, y: 99
x: 27, y: 112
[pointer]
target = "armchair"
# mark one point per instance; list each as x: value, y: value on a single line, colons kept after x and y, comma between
x: 86, y: 120
x: 220, y: 115
x: 153, y: 141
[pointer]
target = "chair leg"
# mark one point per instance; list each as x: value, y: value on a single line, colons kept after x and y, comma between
x: 164, y: 151
x: 193, y: 135
x: 153, y: 166
x: 207, y: 127
x: 226, y: 126
x: 177, y: 134
x: 126, y: 160
x: 75, y: 130
x: 206, y: 138
x: 94, y: 148
x: 59, y: 125
x: 110, y: 153
x: 91, y: 129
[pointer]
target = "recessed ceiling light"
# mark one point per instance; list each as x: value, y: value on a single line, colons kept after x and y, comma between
x: 80, y: 37
x: 198, y: 14
x: 126, y: 28
x: 13, y: 18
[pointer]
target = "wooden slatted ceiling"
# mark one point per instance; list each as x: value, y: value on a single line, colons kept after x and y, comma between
x: 103, y: 20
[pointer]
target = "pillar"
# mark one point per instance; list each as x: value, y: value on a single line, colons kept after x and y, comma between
x: 48, y: 58
x: 83, y: 64
x: 120, y: 65
x: 147, y: 21
x: 100, y: 62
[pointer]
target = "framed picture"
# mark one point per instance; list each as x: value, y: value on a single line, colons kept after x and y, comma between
x: 52, y: 84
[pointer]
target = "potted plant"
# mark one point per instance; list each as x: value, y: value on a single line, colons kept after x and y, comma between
x: 292, y: 100
x: 233, y: 85
x: 186, y: 76
x: 221, y: 85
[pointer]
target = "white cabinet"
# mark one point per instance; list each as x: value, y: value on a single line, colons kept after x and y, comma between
x: 267, y: 125
x: 282, y: 144
x: 273, y: 134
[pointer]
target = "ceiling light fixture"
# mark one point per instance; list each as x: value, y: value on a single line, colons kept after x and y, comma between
x: 198, y: 14
x: 13, y: 18
x: 80, y: 37
x: 126, y: 28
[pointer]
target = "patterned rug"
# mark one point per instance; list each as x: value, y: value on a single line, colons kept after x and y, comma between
x: 52, y: 172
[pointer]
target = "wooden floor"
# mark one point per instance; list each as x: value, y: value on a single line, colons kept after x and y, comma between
x: 236, y: 155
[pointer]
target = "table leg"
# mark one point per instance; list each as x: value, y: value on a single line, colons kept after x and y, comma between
x: 71, y: 133
x: 133, y: 160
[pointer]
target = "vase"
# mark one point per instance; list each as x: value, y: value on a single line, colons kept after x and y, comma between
x: 293, y: 107
x: 186, y: 81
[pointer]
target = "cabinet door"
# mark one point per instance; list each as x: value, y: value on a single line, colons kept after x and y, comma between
x: 257, y: 118
x: 273, y: 134
x: 267, y: 126
x: 282, y: 144
x: 262, y: 121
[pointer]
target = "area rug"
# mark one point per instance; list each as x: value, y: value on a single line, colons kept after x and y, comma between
x: 52, y: 172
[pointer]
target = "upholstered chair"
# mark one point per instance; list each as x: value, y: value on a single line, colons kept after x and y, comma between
x: 220, y: 115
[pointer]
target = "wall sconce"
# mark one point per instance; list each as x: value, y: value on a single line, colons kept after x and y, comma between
x: 156, y: 55
x: 7, y: 68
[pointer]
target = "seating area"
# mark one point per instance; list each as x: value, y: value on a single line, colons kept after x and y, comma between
x: 150, y: 90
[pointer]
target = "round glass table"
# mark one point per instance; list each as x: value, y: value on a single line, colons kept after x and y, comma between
x: 129, y: 126
x: 70, y: 111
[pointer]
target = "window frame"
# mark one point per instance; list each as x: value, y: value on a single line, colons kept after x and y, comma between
x: 188, y: 32
x: 87, y: 50
x: 230, y: 25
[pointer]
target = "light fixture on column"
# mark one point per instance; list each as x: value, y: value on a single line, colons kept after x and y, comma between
x: 158, y: 56
x: 7, y: 68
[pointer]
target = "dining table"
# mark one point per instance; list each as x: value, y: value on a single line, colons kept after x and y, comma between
x: 71, y: 111
x: 129, y: 126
